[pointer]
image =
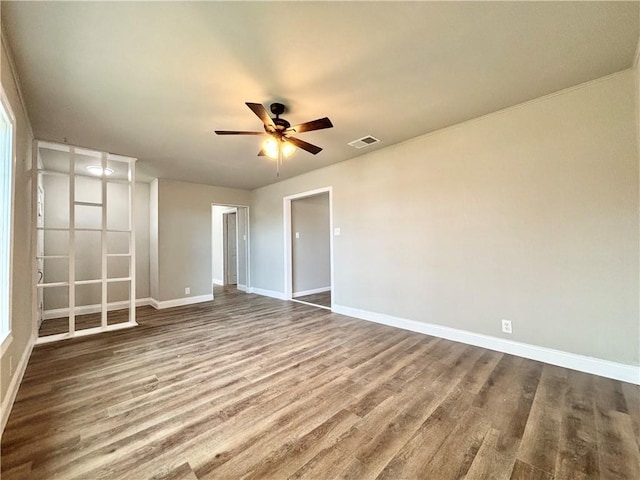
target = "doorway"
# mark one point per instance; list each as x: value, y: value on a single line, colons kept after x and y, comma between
x: 309, y: 248
x: 230, y: 247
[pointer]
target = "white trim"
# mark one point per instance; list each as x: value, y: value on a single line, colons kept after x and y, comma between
x: 215, y: 281
x: 288, y: 247
x: 97, y: 308
x: 267, y: 293
x: 35, y: 305
x: 132, y: 233
x: 85, y: 332
x: 311, y: 304
x: 6, y: 343
x: 582, y: 363
x: 179, y: 302
x: 16, y: 380
x: 242, y: 288
x: 104, y: 307
x: 311, y: 292
x: 72, y: 241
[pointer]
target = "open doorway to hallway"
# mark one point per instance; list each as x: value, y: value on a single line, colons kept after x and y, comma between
x: 308, y: 248
x: 230, y: 246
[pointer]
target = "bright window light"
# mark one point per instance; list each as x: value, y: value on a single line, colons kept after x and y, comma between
x: 7, y: 132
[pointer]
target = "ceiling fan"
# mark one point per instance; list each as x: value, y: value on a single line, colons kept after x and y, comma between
x: 281, y: 142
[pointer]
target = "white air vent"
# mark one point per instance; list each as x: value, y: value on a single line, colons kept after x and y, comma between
x: 364, y: 142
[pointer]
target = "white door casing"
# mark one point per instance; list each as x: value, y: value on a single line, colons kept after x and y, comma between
x: 231, y: 252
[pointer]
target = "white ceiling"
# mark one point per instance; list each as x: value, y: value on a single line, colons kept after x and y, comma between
x: 153, y: 80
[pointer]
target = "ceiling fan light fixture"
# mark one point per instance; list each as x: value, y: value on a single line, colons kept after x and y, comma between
x: 271, y: 146
x: 97, y: 170
x: 288, y: 149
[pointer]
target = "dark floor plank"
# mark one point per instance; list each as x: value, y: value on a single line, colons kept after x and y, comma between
x: 524, y: 471
x: 578, y: 445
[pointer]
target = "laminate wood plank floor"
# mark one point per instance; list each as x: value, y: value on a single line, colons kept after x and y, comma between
x: 323, y: 299
x: 55, y: 326
x: 257, y: 388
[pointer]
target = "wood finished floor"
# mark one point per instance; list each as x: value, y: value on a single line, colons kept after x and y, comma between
x: 323, y: 299
x: 55, y: 326
x: 253, y: 387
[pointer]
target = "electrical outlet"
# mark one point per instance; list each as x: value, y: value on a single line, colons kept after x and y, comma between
x: 11, y: 365
x: 297, y: 234
x: 506, y: 326
x: 187, y: 291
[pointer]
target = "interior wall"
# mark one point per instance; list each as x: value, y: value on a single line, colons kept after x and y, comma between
x: 310, y: 244
x: 217, y: 242
x: 22, y: 302
x: 528, y: 214
x: 184, y: 233
x: 142, y: 222
x: 87, y: 244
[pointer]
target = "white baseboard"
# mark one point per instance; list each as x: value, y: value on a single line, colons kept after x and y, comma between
x: 217, y: 282
x: 267, y: 293
x: 311, y: 292
x: 12, y: 391
x: 242, y: 288
x: 96, y: 308
x: 179, y: 302
x: 582, y: 363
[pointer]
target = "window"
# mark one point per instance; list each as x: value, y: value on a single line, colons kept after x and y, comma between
x: 7, y: 133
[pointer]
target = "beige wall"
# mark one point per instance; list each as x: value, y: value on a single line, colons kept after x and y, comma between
x: 311, y: 251
x: 184, y: 235
x: 142, y: 222
x: 22, y: 298
x: 529, y: 214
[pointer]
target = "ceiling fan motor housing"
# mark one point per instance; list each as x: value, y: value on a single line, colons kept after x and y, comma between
x: 277, y: 108
x: 281, y: 124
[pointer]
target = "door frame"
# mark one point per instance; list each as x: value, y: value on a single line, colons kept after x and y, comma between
x: 288, y: 246
x: 246, y: 287
x: 225, y: 247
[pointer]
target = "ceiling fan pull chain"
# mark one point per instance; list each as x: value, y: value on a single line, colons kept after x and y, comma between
x: 279, y: 160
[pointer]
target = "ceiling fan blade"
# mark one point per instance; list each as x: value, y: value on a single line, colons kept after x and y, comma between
x: 318, y: 124
x: 232, y: 132
x: 304, y: 145
x: 262, y: 114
